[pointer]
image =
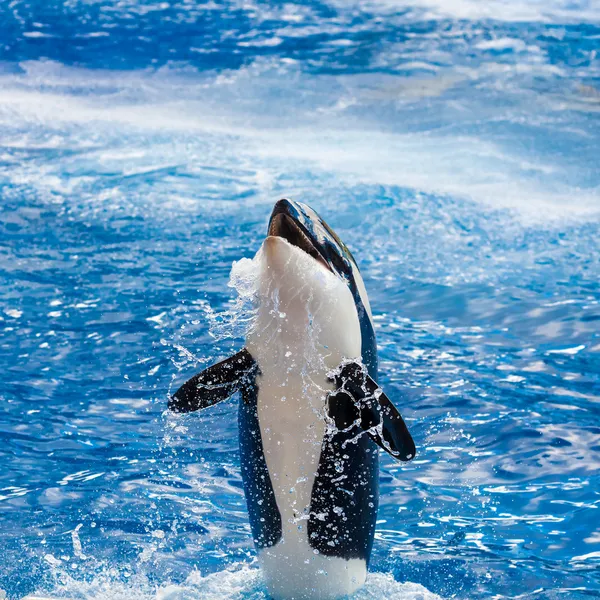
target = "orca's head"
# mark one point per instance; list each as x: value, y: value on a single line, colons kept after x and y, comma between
x: 302, y: 227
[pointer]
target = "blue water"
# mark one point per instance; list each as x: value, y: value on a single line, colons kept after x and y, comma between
x: 454, y: 147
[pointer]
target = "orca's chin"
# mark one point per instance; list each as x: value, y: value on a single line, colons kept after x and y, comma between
x: 284, y: 226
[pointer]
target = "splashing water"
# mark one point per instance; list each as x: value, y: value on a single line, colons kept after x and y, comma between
x: 235, y: 321
x: 237, y: 583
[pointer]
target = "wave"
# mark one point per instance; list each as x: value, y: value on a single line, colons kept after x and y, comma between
x: 339, y: 126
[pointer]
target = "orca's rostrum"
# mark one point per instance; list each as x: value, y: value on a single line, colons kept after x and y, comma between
x: 311, y: 416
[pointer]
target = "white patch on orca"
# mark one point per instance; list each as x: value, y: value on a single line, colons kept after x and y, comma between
x: 305, y: 325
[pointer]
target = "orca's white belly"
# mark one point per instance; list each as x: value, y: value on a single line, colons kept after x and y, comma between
x: 292, y: 424
x: 306, y: 325
x: 290, y: 576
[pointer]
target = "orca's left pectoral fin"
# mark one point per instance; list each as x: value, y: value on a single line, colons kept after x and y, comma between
x: 214, y: 384
x: 358, y: 399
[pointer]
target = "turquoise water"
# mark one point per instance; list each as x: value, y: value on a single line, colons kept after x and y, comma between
x: 453, y: 146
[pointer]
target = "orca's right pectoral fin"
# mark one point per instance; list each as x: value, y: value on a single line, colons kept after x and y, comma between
x: 214, y: 384
x: 359, y: 400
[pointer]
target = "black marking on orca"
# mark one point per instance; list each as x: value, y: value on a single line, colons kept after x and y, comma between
x: 369, y: 345
x: 265, y: 518
x: 214, y: 384
x: 345, y: 497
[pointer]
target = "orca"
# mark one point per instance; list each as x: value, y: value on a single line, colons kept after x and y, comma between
x: 311, y: 415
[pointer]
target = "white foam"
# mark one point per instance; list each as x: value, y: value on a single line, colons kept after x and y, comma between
x: 240, y: 582
x: 560, y: 11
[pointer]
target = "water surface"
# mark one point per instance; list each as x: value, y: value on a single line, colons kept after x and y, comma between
x: 453, y: 146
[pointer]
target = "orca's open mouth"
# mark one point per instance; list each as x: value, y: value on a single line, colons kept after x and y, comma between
x: 283, y: 225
